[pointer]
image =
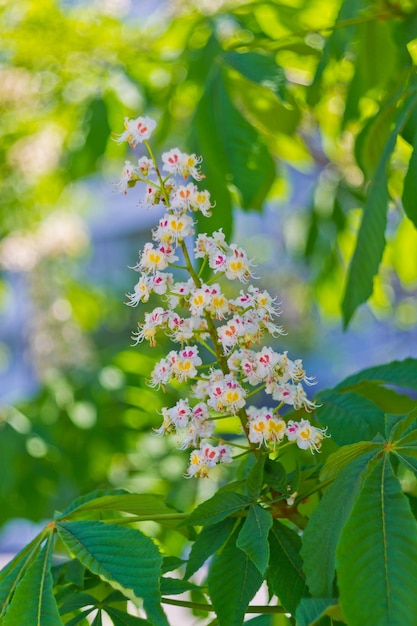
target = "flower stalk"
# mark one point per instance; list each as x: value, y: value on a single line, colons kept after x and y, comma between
x: 230, y: 329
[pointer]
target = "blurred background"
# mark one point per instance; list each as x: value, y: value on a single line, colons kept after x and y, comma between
x: 287, y: 102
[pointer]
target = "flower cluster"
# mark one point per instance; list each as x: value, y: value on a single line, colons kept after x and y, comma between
x: 227, y: 333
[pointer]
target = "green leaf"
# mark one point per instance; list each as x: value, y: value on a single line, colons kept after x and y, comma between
x: 336, y: 45
x: 255, y: 478
x: 210, y: 539
x: 285, y: 572
x: 124, y: 557
x: 259, y: 68
x: 217, y: 508
x: 79, y: 618
x: 398, y: 426
x: 234, y: 149
x: 174, y: 586
x: 13, y: 572
x: 410, y: 192
x: 253, y: 536
x: 311, y: 610
x: 233, y: 580
x: 321, y: 536
x: 83, y: 161
x: 145, y: 506
x: 349, y: 416
x: 399, y: 373
x: 371, y: 237
x: 33, y: 601
x: 76, y: 601
x: 338, y: 460
x: 371, y: 69
x: 85, y: 501
x: 377, y: 554
x: 276, y: 476
x: 124, y: 619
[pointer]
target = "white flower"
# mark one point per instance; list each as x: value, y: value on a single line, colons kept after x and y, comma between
x: 136, y: 131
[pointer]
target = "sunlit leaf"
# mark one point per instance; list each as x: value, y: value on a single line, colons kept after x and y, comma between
x: 124, y: 557
x: 311, y: 610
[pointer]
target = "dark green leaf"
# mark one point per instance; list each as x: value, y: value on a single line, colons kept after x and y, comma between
x: 33, y: 601
x: 81, y: 617
x: 210, y: 539
x: 285, y: 572
x: 76, y: 601
x: 410, y: 191
x: 321, y: 536
x: 124, y: 557
x: 311, y: 610
x: 371, y: 237
x: 253, y: 536
x: 235, y: 151
x: 399, y: 373
x: 124, y: 619
x: 255, y: 479
x: 233, y: 580
x: 276, y: 476
x: 259, y: 68
x: 174, y: 586
x: 217, y: 508
x: 349, y: 416
x: 84, y: 160
x: 377, y: 553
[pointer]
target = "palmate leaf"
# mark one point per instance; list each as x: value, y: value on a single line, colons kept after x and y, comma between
x: 233, y: 580
x: 33, y: 601
x: 124, y: 557
x: 321, y: 537
x: 371, y: 237
x: 253, y: 536
x: 285, y: 572
x: 377, y: 554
